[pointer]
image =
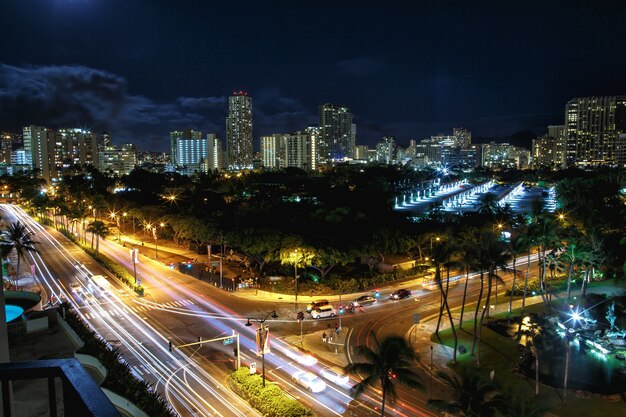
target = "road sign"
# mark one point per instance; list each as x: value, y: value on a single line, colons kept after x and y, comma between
x: 252, y: 368
x: 229, y: 341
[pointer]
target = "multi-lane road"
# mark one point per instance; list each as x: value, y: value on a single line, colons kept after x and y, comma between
x: 181, y: 309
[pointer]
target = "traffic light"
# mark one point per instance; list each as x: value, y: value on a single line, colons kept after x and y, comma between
x: 376, y: 294
x: 300, y: 316
x: 170, y: 345
x: 341, y: 309
x: 235, y: 352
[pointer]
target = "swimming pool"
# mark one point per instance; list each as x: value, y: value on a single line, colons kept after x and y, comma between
x: 13, y: 312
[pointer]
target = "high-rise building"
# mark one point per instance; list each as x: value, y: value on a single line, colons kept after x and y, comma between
x: 592, y: 129
x: 214, y: 159
x: 118, y: 160
x: 504, y: 155
x: 273, y: 150
x: 385, y: 150
x: 6, y: 147
x: 239, y: 131
x: 338, y: 133
x: 36, y: 145
x: 186, y: 147
x: 75, y: 146
x: 544, y: 152
x: 361, y: 152
x: 462, y: 136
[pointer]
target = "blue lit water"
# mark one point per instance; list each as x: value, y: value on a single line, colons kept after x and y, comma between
x: 13, y: 312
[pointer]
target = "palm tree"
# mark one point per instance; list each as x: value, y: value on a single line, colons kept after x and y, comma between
x: 440, y: 256
x: 467, y: 248
x: 473, y: 396
x: 17, y: 238
x: 516, y: 246
x: 4, y: 336
x: 493, y: 256
x: 488, y: 204
x: 98, y: 229
x: 389, y: 364
x: 545, y: 231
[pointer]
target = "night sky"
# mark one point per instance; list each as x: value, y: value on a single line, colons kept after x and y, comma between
x: 409, y: 69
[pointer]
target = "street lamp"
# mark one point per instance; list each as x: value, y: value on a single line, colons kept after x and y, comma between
x: 295, y: 264
x: 261, y: 335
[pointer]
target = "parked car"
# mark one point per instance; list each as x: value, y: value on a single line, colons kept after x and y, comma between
x: 309, y: 380
x: 401, y: 294
x: 315, y: 304
x: 335, y: 375
x: 323, y: 312
x: 364, y: 300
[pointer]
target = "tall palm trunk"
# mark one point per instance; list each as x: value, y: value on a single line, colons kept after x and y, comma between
x: 464, y: 296
x: 569, y: 283
x: 482, y: 316
x: 97, y: 243
x: 480, y: 296
x: 526, y: 282
x: 513, y: 284
x: 445, y: 301
x: 441, y: 297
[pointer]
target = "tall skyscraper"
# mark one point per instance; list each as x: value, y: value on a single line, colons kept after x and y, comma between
x: 36, y: 145
x: 592, y: 129
x: 338, y: 133
x: 239, y: 131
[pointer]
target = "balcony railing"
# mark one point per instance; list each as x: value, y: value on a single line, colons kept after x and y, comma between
x: 80, y: 396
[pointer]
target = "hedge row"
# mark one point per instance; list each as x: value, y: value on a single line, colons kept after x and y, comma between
x: 120, y: 378
x: 117, y: 270
x: 270, y: 400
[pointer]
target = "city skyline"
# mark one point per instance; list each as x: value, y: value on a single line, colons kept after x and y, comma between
x: 408, y: 71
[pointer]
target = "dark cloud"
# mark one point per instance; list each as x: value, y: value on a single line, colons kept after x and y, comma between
x: 58, y: 96
x: 360, y: 67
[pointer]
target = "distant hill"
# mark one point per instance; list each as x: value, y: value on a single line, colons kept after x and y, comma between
x: 522, y: 139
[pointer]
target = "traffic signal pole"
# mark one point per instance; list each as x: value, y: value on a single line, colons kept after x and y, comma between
x: 217, y: 339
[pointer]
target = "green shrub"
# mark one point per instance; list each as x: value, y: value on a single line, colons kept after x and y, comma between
x: 270, y: 400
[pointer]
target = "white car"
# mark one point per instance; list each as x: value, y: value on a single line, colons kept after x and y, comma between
x: 306, y: 360
x: 335, y: 375
x: 309, y: 380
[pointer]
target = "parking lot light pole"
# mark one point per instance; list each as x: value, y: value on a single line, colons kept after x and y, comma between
x: 261, y: 335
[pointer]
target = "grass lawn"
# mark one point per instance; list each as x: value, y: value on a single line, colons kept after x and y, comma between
x: 500, y: 354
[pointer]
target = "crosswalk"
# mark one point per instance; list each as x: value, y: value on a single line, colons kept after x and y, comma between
x: 139, y: 308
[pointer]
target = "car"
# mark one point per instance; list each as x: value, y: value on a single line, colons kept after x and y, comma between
x: 323, y: 312
x: 315, y: 304
x: 309, y: 380
x: 335, y: 375
x: 364, y: 300
x: 302, y: 359
x: 401, y: 294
